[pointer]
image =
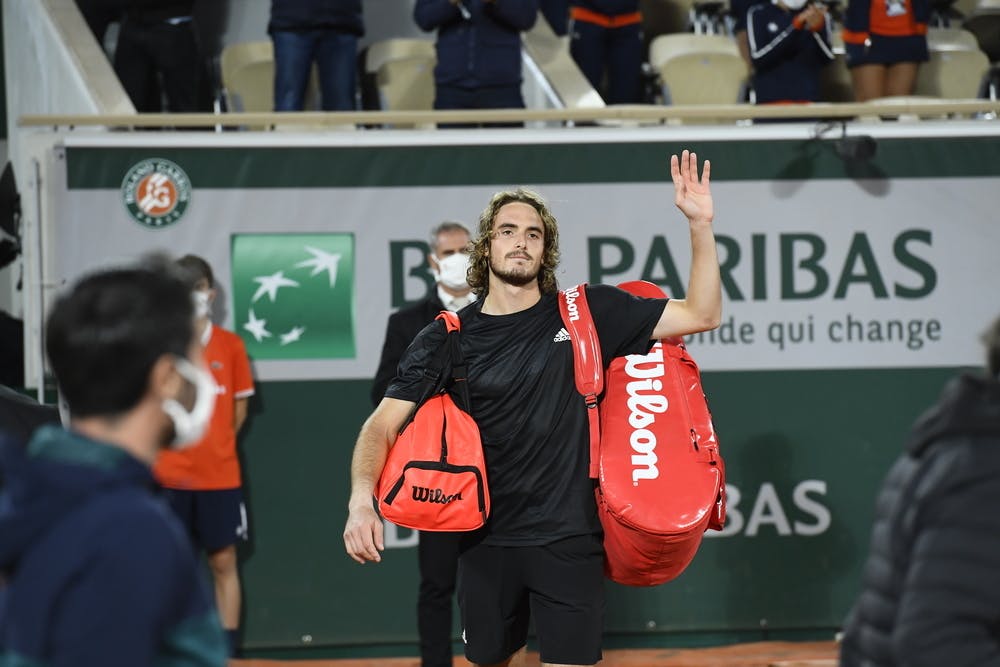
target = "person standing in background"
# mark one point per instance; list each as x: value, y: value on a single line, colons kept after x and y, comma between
x: 158, y: 56
x: 884, y: 42
x: 789, y: 44
x: 606, y: 40
x: 324, y: 32
x: 203, y: 482
x: 931, y: 584
x: 94, y: 567
x: 437, y: 552
x: 478, y: 50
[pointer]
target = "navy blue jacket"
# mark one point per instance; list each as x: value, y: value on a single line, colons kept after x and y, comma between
x: 341, y: 15
x: 786, y: 61
x: 931, y: 590
x: 98, y: 570
x: 482, y: 50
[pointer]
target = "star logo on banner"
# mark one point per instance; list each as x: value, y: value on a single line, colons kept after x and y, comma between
x: 294, y: 294
x: 292, y: 336
x: 321, y: 261
x: 270, y: 285
x: 257, y: 328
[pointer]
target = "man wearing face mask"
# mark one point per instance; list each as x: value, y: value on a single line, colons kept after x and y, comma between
x: 203, y: 482
x: 437, y: 552
x: 789, y: 44
x: 94, y: 567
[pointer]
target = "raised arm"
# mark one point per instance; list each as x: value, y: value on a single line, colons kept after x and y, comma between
x: 363, y: 536
x: 702, y: 309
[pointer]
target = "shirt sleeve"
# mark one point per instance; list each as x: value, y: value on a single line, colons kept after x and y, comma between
x: 409, y: 381
x: 242, y: 375
x: 624, y: 322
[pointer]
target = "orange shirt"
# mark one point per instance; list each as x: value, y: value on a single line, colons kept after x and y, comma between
x: 211, y: 464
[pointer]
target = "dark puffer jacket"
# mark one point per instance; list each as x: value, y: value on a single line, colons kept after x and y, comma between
x: 931, y: 588
x: 478, y: 43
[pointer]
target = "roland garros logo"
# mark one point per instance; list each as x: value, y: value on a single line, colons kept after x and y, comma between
x: 156, y: 192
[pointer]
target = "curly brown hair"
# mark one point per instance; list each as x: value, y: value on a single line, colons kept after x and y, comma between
x: 479, y: 269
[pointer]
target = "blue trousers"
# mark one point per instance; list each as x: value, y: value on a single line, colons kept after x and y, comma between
x: 335, y: 55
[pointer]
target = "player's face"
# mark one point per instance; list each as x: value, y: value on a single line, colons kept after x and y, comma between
x: 517, y: 244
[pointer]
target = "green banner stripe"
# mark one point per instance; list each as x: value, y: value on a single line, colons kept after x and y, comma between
x: 397, y: 166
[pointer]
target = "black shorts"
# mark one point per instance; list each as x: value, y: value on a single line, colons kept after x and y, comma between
x: 887, y: 51
x: 560, y: 585
x: 214, y: 519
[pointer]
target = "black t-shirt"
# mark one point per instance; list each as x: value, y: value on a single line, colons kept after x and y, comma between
x: 532, y: 420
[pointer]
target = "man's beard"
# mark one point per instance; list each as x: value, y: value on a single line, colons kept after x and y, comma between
x: 515, y: 277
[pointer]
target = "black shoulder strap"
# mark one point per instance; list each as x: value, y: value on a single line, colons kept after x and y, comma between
x: 448, y: 354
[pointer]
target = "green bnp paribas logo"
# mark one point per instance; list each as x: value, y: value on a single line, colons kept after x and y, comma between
x: 293, y: 295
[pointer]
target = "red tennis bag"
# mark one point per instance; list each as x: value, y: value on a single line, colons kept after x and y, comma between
x: 434, y: 477
x: 653, y: 449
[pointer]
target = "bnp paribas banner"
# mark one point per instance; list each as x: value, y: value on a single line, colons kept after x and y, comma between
x: 826, y: 263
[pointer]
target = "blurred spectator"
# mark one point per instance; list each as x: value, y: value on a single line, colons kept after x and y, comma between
x: 324, y: 32
x: 478, y: 50
x: 789, y: 44
x: 158, y: 56
x: 885, y: 41
x: 100, y: 14
x: 606, y: 42
x: 95, y: 568
x: 739, y: 9
x: 931, y: 585
x: 556, y: 12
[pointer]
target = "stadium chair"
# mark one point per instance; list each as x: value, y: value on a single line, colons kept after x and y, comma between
x: 951, y: 39
x: 406, y: 84
x: 248, y: 76
x: 698, y: 69
x: 952, y: 74
x: 377, y: 54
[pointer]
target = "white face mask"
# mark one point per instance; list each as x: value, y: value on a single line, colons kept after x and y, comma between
x: 190, y: 426
x: 452, y: 270
x: 202, y: 303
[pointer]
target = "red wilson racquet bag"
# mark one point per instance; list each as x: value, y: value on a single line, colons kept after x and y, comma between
x: 653, y: 449
x: 434, y: 477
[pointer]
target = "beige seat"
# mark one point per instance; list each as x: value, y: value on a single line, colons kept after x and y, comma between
x: 248, y: 76
x: 952, y: 74
x: 951, y: 39
x: 406, y: 84
x: 698, y: 69
x: 402, y: 73
x: 387, y: 50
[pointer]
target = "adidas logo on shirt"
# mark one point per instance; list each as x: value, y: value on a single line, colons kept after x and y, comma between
x: 561, y: 336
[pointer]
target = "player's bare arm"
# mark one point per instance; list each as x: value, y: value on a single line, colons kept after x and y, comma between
x: 701, y: 310
x: 363, y: 538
